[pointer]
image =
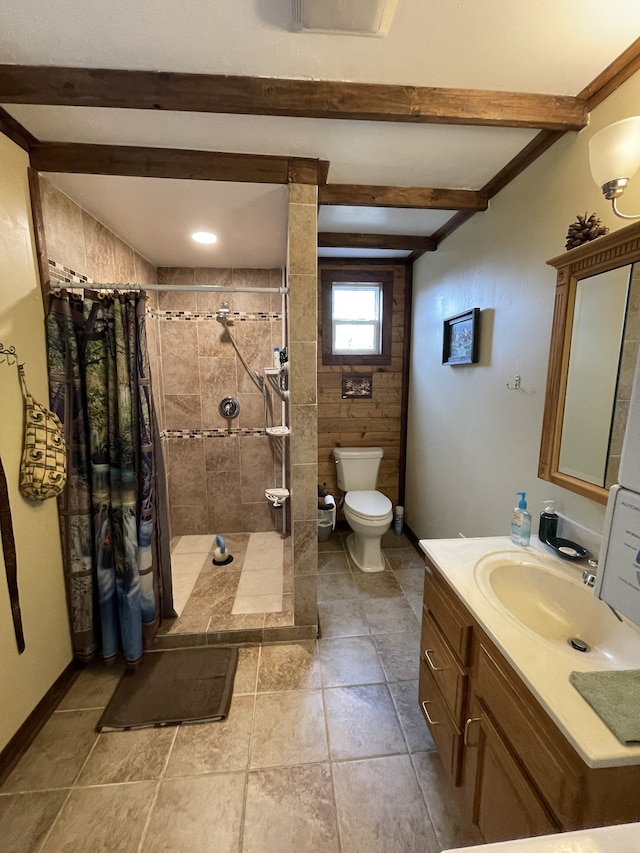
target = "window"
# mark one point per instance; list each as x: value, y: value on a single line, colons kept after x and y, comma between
x: 356, y: 316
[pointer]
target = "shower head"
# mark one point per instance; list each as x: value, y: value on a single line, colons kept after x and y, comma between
x: 222, y: 314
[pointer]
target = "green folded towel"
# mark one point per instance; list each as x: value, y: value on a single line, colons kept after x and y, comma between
x: 615, y: 697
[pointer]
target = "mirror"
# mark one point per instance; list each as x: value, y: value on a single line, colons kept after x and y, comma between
x: 594, y: 343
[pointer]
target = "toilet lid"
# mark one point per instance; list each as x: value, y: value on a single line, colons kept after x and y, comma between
x: 368, y: 504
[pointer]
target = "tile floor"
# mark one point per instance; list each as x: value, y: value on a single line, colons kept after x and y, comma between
x: 253, y: 591
x: 324, y: 748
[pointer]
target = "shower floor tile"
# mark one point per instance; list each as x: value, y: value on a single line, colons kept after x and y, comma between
x: 253, y: 583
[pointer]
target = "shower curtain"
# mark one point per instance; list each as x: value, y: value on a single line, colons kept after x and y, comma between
x: 113, y: 530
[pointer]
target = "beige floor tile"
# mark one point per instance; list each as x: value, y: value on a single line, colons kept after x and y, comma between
x: 256, y: 604
x: 362, y: 722
x: 110, y: 818
x: 390, y: 616
x: 333, y: 562
x: 410, y: 579
x: 337, y: 587
x: 260, y: 582
x: 288, y: 728
x: 198, y: 815
x: 247, y: 670
x: 399, y: 654
x: 382, y: 585
x: 131, y: 756
x: 194, y: 544
x: 442, y: 800
x: 342, y: 618
x: 289, y: 666
x: 25, y: 819
x: 405, y: 558
x: 267, y: 558
x: 333, y: 543
x: 291, y: 809
x: 214, y: 747
x: 391, y: 541
x: 349, y: 660
x: 371, y: 819
x: 416, y: 731
x: 93, y: 687
x: 415, y: 602
x: 57, y: 754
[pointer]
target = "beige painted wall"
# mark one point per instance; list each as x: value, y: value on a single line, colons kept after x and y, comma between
x: 472, y: 443
x: 25, y: 678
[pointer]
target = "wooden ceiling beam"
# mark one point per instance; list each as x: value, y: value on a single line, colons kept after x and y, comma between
x: 15, y: 131
x: 217, y: 93
x: 405, y: 242
x: 426, y: 198
x: 174, y: 163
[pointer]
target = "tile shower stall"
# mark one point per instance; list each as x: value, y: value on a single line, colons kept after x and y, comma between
x: 218, y: 469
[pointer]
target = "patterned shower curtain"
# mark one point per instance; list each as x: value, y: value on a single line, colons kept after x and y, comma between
x: 111, y: 532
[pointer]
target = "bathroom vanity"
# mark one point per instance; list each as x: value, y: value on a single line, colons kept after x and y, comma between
x: 526, y: 751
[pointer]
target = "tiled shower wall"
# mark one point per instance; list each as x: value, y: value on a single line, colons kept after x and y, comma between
x: 218, y: 469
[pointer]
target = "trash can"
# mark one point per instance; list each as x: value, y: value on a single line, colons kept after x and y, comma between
x: 326, y: 518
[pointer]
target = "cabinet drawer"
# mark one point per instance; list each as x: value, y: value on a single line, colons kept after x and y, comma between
x: 451, y: 619
x: 446, y: 735
x: 538, y: 752
x: 445, y: 669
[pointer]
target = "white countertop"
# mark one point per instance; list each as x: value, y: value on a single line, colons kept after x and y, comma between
x: 604, y: 839
x: 543, y: 670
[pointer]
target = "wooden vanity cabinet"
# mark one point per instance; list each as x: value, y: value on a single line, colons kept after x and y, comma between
x: 517, y: 774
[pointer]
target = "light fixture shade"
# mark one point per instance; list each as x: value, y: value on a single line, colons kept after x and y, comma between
x: 614, y: 152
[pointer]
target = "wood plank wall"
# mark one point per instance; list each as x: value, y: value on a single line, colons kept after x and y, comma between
x: 379, y: 421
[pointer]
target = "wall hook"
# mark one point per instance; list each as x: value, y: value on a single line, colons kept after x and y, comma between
x: 515, y: 386
x: 10, y: 356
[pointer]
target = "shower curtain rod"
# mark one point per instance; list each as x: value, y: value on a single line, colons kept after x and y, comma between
x: 135, y: 288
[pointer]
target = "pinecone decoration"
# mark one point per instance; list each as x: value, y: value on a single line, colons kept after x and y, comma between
x: 583, y: 230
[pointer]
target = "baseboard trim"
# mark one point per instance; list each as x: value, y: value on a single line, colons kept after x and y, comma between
x: 26, y: 734
x: 413, y: 539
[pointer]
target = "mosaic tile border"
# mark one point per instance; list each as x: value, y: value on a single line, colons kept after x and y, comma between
x: 61, y: 276
x: 241, y: 316
x: 211, y: 433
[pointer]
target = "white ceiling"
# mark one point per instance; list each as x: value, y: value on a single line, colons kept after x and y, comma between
x: 539, y: 46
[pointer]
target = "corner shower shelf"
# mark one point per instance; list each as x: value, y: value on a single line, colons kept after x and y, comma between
x: 278, y: 430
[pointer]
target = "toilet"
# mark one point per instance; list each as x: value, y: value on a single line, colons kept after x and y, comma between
x: 367, y: 511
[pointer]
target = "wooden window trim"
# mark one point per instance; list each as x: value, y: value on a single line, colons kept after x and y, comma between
x: 380, y: 277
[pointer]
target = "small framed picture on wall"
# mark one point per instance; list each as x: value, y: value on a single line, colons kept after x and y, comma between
x: 461, y: 338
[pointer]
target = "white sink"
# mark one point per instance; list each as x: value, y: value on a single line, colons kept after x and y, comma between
x: 557, y: 607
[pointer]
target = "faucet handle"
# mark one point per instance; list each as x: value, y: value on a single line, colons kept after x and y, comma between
x: 588, y: 577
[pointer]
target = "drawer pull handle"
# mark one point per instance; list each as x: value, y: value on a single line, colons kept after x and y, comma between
x: 467, y: 727
x: 428, y: 715
x: 431, y: 663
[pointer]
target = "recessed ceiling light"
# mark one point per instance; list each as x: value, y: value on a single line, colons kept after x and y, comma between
x: 204, y: 237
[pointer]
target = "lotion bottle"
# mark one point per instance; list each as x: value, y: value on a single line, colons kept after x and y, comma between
x: 521, y: 522
x: 548, y: 522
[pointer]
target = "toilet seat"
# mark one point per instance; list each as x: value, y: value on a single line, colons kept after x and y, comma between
x: 367, y: 505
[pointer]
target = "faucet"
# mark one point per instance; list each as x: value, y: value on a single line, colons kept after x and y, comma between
x: 588, y: 576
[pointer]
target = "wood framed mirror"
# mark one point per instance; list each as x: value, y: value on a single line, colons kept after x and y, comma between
x: 595, y: 332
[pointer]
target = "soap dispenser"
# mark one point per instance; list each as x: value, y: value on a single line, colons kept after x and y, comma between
x: 548, y: 522
x: 521, y: 522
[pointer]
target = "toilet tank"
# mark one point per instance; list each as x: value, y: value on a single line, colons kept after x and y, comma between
x: 357, y: 467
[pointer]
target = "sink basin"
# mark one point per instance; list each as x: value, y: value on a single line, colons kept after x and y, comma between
x: 558, y: 608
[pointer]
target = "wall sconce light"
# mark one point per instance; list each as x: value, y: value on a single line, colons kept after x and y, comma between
x: 614, y: 156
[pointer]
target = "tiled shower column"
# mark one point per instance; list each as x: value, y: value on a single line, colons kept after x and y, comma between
x: 302, y: 269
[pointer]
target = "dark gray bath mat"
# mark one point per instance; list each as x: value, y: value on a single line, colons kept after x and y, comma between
x: 173, y: 686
